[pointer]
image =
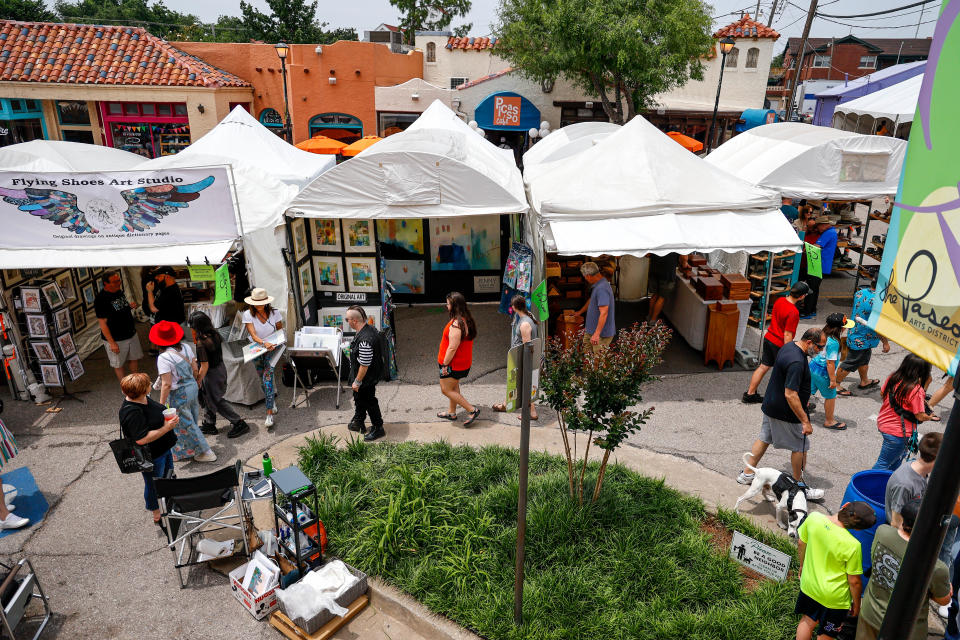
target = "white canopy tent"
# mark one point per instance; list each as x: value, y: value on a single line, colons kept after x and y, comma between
x: 806, y: 161
x: 56, y: 155
x: 268, y: 173
x: 439, y: 167
x: 897, y: 102
x: 562, y: 144
x: 636, y: 191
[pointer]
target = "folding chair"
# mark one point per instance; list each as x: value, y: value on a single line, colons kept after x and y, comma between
x: 24, y: 588
x: 183, y: 502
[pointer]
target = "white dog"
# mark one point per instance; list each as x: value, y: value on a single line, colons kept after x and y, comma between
x: 781, y: 488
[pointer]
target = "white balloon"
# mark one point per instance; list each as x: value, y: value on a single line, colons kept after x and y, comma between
x: 544, y: 133
x: 481, y: 132
x: 473, y: 124
x: 544, y: 125
x: 533, y: 132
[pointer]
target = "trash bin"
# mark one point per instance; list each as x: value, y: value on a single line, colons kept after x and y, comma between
x: 868, y: 486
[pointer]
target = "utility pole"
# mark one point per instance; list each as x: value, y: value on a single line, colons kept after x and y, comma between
x: 756, y: 13
x: 773, y: 11
x: 803, y: 46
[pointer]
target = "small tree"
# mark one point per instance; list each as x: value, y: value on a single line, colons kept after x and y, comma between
x: 595, y: 393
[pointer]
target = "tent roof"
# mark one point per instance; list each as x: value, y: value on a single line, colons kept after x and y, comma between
x: 56, y: 155
x: 637, y: 191
x: 117, y: 256
x: 563, y: 143
x: 873, y: 78
x: 438, y: 167
x: 804, y: 161
x: 896, y: 102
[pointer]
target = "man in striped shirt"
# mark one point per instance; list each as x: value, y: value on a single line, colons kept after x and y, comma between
x: 366, y: 361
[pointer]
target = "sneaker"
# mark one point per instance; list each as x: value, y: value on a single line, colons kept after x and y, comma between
x: 9, y: 494
x: 745, y: 478
x: 751, y: 398
x: 13, y: 522
x: 811, y: 493
x: 268, y: 423
x: 375, y: 434
x: 209, y: 429
x: 207, y: 456
x: 238, y: 429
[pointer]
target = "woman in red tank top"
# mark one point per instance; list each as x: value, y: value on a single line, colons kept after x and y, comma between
x: 455, y: 357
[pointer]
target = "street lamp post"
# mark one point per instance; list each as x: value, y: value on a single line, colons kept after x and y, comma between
x: 282, y: 51
x: 726, y: 45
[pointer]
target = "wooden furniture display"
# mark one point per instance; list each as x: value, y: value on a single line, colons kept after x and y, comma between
x: 709, y: 288
x: 720, y: 344
x: 568, y: 325
x: 735, y: 286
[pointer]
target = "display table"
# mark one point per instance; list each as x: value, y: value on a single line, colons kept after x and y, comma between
x: 687, y: 312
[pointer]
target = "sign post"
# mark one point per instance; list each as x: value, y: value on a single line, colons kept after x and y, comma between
x: 757, y: 556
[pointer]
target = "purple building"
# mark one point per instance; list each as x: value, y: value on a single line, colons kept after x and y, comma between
x: 829, y: 99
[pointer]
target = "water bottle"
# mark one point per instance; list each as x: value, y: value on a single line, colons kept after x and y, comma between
x: 267, y: 464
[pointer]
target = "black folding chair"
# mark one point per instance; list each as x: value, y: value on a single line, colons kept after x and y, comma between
x: 17, y: 590
x: 185, y: 504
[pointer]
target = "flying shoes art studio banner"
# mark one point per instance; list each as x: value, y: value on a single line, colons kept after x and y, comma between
x: 918, y: 302
x: 117, y: 208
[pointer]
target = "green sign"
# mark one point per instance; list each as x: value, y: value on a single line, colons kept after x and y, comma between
x: 540, y: 301
x: 222, y: 278
x: 814, y: 266
x: 202, y: 272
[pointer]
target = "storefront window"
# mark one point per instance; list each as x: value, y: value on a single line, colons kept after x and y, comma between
x: 148, y: 129
x: 78, y: 135
x: 341, y: 126
x: 391, y: 123
x: 16, y: 131
x: 73, y: 112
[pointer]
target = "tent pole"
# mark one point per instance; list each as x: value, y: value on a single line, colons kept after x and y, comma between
x: 863, y: 249
x: 236, y: 202
x: 766, y: 300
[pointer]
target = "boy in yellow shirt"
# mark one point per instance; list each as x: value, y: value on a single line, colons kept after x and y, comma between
x: 830, y: 569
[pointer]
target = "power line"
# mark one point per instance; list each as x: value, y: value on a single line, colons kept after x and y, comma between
x: 877, y: 13
x: 867, y: 26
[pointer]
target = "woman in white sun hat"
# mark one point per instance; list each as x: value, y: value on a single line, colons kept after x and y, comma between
x: 261, y: 321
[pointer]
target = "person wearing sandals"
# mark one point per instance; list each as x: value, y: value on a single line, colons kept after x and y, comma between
x: 212, y: 378
x: 262, y: 321
x: 456, y: 356
x: 861, y: 340
x: 522, y: 330
x: 141, y: 420
x: 8, y: 450
x: 904, y: 407
x: 823, y: 369
x: 177, y: 366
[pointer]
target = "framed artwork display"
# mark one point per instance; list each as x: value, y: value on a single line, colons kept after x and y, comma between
x: 89, y: 294
x: 325, y: 233
x: 61, y: 320
x: 30, y: 297
x: 83, y: 273
x: 74, y: 368
x: 377, y: 314
x: 51, y: 375
x: 37, y: 326
x: 328, y: 272
x: 407, y: 276
x: 333, y: 317
x: 299, y: 234
x: 53, y: 294
x: 11, y: 276
x: 65, y: 342
x: 359, y: 236
x: 306, y: 281
x: 467, y: 243
x: 43, y: 351
x: 65, y: 282
x: 361, y: 274
x: 401, y: 238
x: 79, y: 318
x: 99, y: 284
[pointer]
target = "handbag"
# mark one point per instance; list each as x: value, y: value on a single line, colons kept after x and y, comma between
x: 131, y: 457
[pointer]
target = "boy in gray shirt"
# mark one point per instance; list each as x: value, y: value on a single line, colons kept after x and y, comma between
x: 909, y: 481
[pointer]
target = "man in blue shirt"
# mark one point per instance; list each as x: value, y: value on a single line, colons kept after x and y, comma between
x: 599, y: 326
x: 828, y: 248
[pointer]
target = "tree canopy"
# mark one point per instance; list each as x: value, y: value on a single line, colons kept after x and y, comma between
x: 625, y: 52
x: 26, y: 10
x: 290, y: 21
x: 157, y: 18
x: 431, y: 15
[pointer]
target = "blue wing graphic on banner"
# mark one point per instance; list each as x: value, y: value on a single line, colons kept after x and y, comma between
x: 133, y: 211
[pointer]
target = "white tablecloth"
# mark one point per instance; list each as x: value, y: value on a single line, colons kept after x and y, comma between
x: 688, y: 313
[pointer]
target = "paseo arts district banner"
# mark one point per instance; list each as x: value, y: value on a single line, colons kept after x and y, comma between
x: 117, y: 208
x: 918, y: 301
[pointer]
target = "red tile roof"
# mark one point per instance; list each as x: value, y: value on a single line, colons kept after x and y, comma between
x: 473, y: 44
x: 100, y: 54
x: 746, y: 27
x: 473, y: 83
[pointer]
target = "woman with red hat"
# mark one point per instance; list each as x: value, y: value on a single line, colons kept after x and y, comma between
x: 177, y: 366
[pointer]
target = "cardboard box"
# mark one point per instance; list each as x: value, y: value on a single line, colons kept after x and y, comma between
x: 260, y: 607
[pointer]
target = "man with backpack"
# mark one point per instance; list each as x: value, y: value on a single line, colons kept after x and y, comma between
x: 366, y: 362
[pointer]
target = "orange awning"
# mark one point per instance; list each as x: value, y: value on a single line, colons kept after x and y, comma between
x: 361, y: 144
x: 688, y: 143
x: 321, y: 144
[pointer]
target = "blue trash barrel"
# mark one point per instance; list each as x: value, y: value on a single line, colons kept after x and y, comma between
x: 868, y: 486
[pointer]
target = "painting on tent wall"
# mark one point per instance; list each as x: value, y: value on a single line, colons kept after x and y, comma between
x: 401, y: 238
x: 470, y: 243
x: 407, y: 276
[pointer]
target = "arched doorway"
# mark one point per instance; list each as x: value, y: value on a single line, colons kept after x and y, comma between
x: 272, y: 120
x: 339, y: 126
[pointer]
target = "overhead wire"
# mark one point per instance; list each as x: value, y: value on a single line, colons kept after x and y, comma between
x: 877, y: 13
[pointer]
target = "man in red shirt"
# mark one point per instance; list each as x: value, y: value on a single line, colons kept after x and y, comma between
x: 783, y: 327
